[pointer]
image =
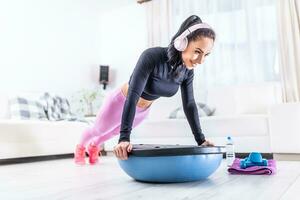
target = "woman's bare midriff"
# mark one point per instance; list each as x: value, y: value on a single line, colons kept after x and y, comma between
x: 142, y: 103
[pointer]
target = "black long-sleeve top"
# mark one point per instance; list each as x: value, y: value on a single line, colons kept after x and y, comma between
x: 154, y: 77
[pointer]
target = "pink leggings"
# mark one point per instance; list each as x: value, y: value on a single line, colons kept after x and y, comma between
x: 108, y: 120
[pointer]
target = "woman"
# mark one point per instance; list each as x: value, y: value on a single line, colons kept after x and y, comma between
x: 158, y: 72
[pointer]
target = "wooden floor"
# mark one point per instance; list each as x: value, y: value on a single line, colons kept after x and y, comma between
x: 61, y: 179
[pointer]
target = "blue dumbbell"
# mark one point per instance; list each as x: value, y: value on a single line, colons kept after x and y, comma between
x: 254, y: 159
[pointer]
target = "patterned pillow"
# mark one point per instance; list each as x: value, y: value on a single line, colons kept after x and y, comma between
x: 22, y: 108
x: 57, y: 108
x: 203, y: 110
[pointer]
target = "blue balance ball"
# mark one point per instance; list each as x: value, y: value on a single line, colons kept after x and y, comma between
x: 171, y: 163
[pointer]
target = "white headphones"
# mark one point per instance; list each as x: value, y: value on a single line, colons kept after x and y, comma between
x: 181, y: 42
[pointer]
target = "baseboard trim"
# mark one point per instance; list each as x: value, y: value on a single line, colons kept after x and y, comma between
x: 10, y: 161
x: 243, y: 155
x: 287, y: 156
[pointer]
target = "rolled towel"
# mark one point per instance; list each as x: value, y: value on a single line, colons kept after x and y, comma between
x: 254, y: 170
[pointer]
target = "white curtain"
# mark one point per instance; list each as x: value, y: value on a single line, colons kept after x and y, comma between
x: 245, y: 48
x: 246, y: 42
x: 289, y: 48
x: 158, y: 22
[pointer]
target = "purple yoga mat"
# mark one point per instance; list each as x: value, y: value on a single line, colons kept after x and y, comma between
x: 255, y: 170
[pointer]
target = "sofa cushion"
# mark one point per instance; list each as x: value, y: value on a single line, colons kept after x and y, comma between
x: 220, y: 126
x: 256, y: 98
x: 238, y: 125
x: 252, y: 98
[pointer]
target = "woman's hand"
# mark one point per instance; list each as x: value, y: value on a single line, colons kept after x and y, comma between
x: 121, y: 150
x: 207, y: 143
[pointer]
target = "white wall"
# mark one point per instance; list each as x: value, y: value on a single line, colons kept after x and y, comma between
x: 57, y: 45
x: 123, y: 38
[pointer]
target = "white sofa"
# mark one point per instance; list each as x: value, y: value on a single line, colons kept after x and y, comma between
x: 241, y: 112
x: 24, y: 138
x: 29, y: 138
x: 285, y: 128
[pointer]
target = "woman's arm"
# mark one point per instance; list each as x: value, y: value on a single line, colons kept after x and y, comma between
x: 139, y: 77
x: 190, y: 108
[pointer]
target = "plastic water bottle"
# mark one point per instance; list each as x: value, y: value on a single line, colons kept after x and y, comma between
x: 230, y: 155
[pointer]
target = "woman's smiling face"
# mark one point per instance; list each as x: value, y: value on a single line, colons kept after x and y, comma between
x: 196, y: 52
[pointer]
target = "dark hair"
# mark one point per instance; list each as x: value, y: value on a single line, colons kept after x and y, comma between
x: 174, y: 56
